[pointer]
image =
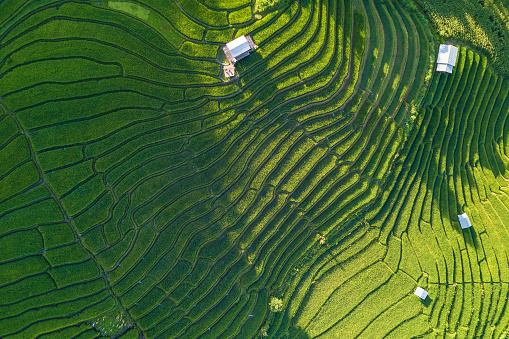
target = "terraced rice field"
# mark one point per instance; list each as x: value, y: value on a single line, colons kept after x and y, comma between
x: 142, y: 194
x: 453, y: 162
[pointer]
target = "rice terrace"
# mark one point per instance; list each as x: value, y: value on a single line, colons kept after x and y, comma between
x: 254, y: 169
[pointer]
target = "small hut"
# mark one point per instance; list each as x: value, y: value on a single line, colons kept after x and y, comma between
x: 447, y: 55
x: 464, y: 221
x: 239, y: 48
x: 421, y: 293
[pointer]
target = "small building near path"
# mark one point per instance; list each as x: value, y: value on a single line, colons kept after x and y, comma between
x: 464, y: 221
x: 446, y: 60
x: 239, y: 48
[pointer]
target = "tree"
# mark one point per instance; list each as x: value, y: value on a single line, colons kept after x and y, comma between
x: 276, y: 305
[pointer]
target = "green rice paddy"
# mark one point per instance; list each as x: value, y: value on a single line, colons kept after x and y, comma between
x: 142, y: 195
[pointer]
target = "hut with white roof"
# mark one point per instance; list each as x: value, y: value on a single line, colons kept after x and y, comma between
x: 239, y: 48
x: 421, y: 293
x: 464, y: 221
x: 447, y: 55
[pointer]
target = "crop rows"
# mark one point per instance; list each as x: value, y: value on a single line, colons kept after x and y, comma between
x: 453, y: 165
x: 454, y: 161
x: 337, y: 276
x: 138, y: 181
x: 49, y: 281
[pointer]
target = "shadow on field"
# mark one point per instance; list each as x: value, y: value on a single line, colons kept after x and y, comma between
x: 471, y: 236
x: 426, y: 302
x: 251, y: 61
x: 451, y: 180
x: 298, y: 333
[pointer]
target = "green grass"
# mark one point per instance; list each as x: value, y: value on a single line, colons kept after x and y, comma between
x: 241, y: 16
x: 130, y: 8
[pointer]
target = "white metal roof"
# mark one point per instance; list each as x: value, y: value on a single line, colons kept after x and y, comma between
x: 444, y: 68
x: 421, y: 293
x: 238, y: 46
x: 447, y: 54
x: 464, y: 221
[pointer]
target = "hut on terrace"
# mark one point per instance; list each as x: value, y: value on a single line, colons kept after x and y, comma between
x: 447, y: 55
x: 239, y: 48
x: 421, y: 293
x: 464, y: 221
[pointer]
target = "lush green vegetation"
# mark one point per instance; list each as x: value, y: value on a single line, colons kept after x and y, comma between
x: 480, y: 23
x: 453, y: 162
x: 265, y: 6
x: 144, y: 196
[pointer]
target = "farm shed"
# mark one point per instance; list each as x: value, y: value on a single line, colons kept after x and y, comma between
x: 447, y: 55
x: 464, y: 221
x: 239, y: 48
x: 421, y: 293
